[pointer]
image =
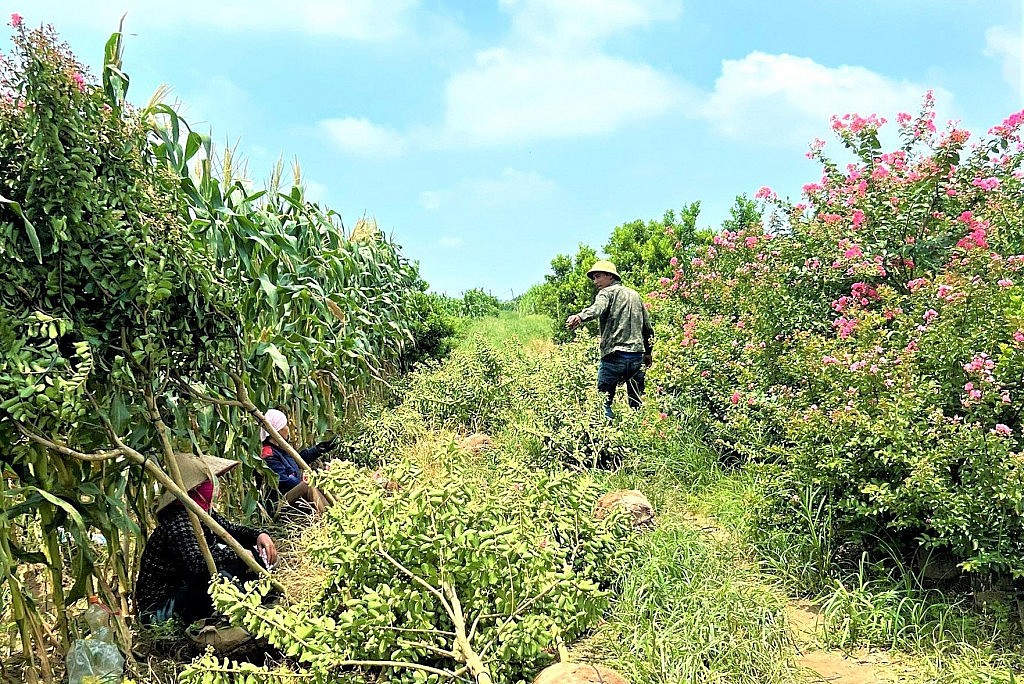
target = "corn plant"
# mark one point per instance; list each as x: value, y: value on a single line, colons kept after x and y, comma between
x: 151, y: 304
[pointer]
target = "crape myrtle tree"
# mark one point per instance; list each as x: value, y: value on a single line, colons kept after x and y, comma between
x: 151, y: 304
x: 868, y: 355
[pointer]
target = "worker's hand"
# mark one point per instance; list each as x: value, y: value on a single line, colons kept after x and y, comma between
x: 265, y: 544
x: 573, y: 322
x: 648, y: 360
x: 326, y: 445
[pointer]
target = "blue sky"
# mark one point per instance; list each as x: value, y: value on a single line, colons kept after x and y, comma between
x: 488, y: 135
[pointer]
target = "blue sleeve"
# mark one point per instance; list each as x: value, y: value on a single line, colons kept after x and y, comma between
x: 287, y: 471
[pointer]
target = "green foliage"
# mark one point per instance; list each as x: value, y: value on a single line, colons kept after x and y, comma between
x: 693, y: 610
x: 520, y: 551
x: 479, y: 304
x: 566, y: 290
x: 150, y: 301
x: 381, y: 434
x: 643, y: 252
x: 868, y: 349
x: 433, y: 330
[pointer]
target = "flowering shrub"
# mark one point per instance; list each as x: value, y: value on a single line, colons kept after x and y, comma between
x: 870, y: 341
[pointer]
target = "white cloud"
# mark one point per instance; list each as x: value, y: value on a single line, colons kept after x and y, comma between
x: 511, y: 187
x: 363, y: 138
x: 450, y: 242
x: 359, y: 20
x: 567, y: 25
x: 783, y: 99
x: 552, y: 79
x: 1002, y: 43
x: 431, y: 200
x: 510, y: 98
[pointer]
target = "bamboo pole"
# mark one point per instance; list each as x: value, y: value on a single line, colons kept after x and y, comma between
x: 165, y: 480
x: 172, y: 466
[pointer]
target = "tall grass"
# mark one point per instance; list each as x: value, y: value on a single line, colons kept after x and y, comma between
x: 692, y: 609
x: 507, y: 326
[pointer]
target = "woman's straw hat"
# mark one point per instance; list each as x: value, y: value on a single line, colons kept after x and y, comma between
x: 194, y: 471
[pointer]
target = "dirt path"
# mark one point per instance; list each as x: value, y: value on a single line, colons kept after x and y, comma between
x: 816, y: 664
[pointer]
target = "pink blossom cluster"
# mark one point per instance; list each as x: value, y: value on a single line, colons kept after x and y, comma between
x: 854, y: 123
x: 844, y: 326
x: 1006, y: 129
x: 976, y: 238
x: 16, y: 20
x: 1002, y: 430
x: 989, y: 183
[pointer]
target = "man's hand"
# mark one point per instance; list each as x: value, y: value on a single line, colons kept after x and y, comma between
x: 573, y: 322
x: 648, y: 360
x: 265, y: 544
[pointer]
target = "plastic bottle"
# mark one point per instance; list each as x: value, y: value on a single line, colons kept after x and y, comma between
x: 95, y: 658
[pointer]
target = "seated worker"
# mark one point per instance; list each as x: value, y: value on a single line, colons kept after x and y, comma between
x: 291, y: 480
x: 173, y: 578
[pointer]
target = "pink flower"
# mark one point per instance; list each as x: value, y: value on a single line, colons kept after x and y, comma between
x: 16, y: 19
x: 1018, y: 336
x: 79, y: 80
x: 990, y: 183
x: 735, y: 398
x: 765, y: 193
x: 1005, y: 282
x: 853, y: 252
x: 1002, y: 430
x: 673, y: 261
x: 858, y: 218
x: 930, y: 315
x: 916, y: 284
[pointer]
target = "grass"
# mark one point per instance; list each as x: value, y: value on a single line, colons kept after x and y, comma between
x: 508, y: 326
x: 692, y: 609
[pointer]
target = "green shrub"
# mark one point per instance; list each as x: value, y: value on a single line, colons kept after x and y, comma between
x: 869, y: 343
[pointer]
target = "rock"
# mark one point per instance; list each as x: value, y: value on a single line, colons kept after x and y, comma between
x: 385, y: 482
x: 579, y: 673
x: 633, y: 501
x: 475, y: 443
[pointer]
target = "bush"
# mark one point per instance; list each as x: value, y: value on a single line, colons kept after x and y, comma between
x: 869, y: 343
x: 520, y: 551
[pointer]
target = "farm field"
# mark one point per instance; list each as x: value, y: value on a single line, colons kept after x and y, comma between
x: 824, y: 483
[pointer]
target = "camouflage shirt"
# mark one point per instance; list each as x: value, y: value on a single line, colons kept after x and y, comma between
x: 625, y: 325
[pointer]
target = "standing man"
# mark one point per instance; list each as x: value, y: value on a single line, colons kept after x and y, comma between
x: 627, y: 338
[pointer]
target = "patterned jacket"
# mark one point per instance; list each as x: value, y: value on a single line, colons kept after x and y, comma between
x: 172, y: 558
x: 625, y: 325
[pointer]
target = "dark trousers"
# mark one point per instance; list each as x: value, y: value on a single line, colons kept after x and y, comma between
x: 617, y: 368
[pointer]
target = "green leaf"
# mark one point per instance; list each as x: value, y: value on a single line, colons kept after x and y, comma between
x: 276, y: 356
x: 30, y: 230
x: 270, y: 289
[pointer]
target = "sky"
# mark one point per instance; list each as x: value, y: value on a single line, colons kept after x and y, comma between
x: 487, y: 136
